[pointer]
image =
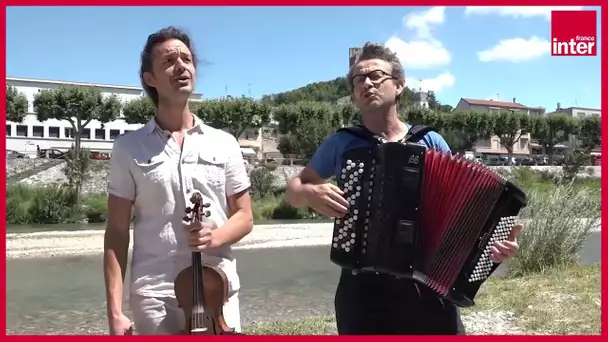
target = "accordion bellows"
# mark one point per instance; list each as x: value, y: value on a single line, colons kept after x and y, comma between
x: 423, y: 214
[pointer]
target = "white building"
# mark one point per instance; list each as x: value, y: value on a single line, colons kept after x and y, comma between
x: 58, y: 134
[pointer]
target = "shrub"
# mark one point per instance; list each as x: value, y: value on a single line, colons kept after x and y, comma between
x: 264, y: 207
x: 95, y: 208
x: 261, y: 182
x: 18, y: 201
x: 53, y: 204
x: 556, y: 224
x: 284, y: 211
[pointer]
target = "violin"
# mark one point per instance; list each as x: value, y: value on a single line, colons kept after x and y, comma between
x: 202, y: 290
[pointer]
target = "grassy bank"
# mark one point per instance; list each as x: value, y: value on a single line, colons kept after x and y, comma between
x: 560, y: 301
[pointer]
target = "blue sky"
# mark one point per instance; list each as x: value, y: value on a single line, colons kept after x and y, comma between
x: 267, y: 50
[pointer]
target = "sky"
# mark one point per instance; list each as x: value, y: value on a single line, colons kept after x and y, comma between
x: 496, y: 53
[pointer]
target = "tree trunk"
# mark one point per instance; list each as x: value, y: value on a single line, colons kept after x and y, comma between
x: 509, y: 149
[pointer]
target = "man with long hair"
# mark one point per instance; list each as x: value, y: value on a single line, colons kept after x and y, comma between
x: 153, y: 172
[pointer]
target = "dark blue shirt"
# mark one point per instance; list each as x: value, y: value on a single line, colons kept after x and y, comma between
x: 327, y: 160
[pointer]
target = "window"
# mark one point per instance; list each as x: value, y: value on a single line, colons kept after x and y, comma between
x: 21, y: 130
x: 86, y: 133
x: 69, y: 132
x: 483, y: 143
x: 100, y: 134
x: 38, y: 131
x: 53, y: 132
x: 523, y: 143
x: 9, y: 130
x: 114, y: 133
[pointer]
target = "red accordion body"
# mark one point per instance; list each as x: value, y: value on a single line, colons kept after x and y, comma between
x: 423, y: 214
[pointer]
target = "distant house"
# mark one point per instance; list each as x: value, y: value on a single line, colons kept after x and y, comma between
x: 492, y: 146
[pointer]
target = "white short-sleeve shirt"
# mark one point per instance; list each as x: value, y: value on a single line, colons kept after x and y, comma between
x: 149, y: 168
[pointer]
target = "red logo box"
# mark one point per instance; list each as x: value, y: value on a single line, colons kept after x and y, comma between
x: 574, y: 33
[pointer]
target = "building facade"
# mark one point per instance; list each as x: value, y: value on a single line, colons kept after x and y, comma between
x: 492, y: 146
x: 579, y: 113
x: 25, y: 136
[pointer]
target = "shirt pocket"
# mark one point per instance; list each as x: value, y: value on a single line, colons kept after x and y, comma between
x: 210, y: 170
x: 155, y: 176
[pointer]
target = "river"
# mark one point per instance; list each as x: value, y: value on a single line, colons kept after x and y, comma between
x: 65, y: 295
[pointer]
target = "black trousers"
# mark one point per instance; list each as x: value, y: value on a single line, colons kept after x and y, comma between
x: 376, y: 304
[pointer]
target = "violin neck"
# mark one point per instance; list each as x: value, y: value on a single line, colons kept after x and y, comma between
x: 197, y: 279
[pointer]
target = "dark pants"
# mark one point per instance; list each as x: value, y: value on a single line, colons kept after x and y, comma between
x: 373, y: 304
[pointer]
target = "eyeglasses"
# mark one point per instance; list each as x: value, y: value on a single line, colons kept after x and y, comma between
x: 375, y: 76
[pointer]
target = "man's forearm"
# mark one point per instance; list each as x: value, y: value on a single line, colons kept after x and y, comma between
x: 234, y: 229
x: 296, y: 193
x: 116, y: 249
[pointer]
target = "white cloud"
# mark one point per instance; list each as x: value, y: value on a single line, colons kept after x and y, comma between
x: 419, y: 54
x: 516, y: 50
x: 436, y: 84
x: 424, y: 51
x: 518, y: 11
x: 422, y: 22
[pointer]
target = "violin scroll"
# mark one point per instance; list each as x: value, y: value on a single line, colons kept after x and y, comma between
x: 196, y: 211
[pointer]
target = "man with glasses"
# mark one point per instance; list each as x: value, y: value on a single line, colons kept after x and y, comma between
x: 368, y: 303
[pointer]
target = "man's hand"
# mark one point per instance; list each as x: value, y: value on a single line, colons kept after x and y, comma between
x: 120, y: 325
x: 327, y: 199
x: 505, y: 250
x: 200, y: 236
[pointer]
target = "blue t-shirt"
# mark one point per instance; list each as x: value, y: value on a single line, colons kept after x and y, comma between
x: 327, y: 160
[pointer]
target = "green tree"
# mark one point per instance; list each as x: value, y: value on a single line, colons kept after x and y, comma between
x: 509, y: 127
x: 590, y: 133
x: 436, y: 105
x: 472, y: 126
x: 138, y: 111
x: 307, y: 124
x: 142, y: 110
x: 234, y: 115
x: 77, y: 170
x: 349, y: 114
x: 417, y: 115
x: 16, y: 105
x: 77, y: 105
x: 552, y: 130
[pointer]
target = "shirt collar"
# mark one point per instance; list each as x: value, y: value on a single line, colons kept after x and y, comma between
x: 152, y: 126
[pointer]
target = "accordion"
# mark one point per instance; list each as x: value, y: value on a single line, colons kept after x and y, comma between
x: 423, y: 214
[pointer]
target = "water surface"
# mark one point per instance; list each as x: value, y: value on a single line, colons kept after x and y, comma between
x: 65, y: 295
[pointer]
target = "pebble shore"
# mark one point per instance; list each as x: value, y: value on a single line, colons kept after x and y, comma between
x: 90, y: 242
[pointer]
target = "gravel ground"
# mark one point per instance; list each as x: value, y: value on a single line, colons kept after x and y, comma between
x: 90, y: 242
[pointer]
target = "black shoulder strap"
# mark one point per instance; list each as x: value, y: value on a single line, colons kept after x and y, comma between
x: 416, y: 133
x: 360, y: 132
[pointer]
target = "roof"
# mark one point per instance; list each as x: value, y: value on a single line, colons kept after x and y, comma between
x: 492, y: 103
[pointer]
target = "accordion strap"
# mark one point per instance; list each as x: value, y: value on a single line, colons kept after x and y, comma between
x: 361, y: 132
x: 415, y: 133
